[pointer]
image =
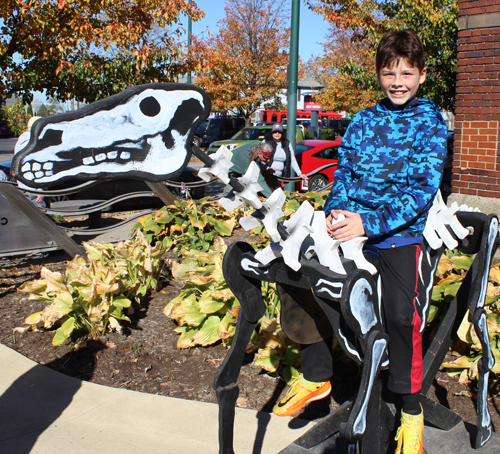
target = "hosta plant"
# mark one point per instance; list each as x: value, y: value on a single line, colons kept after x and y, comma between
x: 190, y: 224
x: 451, y: 271
x: 93, y: 295
x: 205, y: 310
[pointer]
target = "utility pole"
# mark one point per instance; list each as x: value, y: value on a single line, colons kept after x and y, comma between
x: 293, y: 74
x: 189, y: 46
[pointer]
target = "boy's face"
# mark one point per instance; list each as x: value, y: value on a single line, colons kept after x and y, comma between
x: 400, y: 83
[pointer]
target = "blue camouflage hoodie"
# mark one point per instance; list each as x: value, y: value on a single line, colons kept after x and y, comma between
x: 390, y: 168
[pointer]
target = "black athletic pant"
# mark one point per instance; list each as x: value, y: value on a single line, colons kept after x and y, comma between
x: 407, y: 277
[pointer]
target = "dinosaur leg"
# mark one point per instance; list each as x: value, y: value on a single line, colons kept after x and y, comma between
x: 248, y: 292
x: 477, y: 316
x: 484, y: 427
x: 356, y: 425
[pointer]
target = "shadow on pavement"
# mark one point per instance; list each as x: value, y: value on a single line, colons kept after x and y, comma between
x: 33, y: 402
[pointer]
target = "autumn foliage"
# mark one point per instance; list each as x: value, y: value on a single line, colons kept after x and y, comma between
x: 244, y: 65
x: 89, y: 49
x: 348, y: 65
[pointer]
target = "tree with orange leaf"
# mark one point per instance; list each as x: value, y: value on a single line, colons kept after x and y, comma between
x: 348, y: 66
x: 244, y: 65
x: 88, y: 49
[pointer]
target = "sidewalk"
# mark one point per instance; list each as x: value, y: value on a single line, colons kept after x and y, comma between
x: 43, y: 412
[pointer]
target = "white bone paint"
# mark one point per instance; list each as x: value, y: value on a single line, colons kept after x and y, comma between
x: 220, y: 168
x: 378, y: 350
x: 353, y: 250
x: 325, y: 247
x: 125, y: 123
x: 362, y: 306
x: 251, y: 266
x: 272, y: 213
x: 492, y: 235
x: 249, y: 194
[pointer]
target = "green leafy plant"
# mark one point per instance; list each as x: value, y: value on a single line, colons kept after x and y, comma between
x: 93, y: 295
x: 190, y: 224
x: 206, y: 310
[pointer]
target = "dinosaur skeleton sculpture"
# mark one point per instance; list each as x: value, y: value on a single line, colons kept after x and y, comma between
x: 316, y: 284
x: 144, y: 132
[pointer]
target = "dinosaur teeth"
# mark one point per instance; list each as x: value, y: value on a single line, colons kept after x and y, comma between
x: 48, y: 166
x: 36, y: 166
x: 26, y: 167
x: 29, y: 176
x: 111, y: 156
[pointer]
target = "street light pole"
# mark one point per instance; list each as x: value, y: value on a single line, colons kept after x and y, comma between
x: 293, y: 74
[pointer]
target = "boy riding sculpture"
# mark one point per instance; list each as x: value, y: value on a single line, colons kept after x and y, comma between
x: 390, y: 169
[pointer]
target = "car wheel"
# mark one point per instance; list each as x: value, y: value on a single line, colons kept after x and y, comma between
x: 59, y: 198
x: 317, y: 183
x: 197, y: 141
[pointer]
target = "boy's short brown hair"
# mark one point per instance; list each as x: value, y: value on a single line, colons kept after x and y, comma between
x: 400, y: 44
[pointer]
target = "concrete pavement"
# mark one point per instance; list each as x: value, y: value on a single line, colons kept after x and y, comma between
x: 43, y: 411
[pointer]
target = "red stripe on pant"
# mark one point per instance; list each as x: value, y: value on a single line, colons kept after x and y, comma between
x: 417, y: 359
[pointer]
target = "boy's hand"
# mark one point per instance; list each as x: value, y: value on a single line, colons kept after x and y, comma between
x: 346, y: 229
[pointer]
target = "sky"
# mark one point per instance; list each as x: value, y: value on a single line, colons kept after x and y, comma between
x: 312, y: 27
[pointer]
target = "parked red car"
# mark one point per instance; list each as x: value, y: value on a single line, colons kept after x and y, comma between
x: 313, y: 154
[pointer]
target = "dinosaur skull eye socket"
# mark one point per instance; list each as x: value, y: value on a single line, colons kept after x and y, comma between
x: 150, y: 107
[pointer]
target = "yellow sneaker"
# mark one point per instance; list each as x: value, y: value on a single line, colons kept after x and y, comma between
x: 300, y: 394
x: 410, y: 435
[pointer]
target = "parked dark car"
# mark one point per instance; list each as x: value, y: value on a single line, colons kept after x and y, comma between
x: 4, y: 129
x: 217, y: 128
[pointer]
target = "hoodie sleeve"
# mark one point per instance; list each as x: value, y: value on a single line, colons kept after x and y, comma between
x: 401, y: 209
x: 337, y: 199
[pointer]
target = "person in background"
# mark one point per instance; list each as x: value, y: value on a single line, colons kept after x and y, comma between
x: 261, y: 154
x: 21, y: 143
x: 283, y: 157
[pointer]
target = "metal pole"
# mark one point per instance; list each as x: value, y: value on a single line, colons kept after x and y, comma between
x: 293, y: 74
x: 189, y: 46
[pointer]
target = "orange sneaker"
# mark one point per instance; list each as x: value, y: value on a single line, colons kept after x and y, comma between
x: 300, y: 394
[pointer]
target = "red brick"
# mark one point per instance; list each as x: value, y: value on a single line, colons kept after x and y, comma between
x: 487, y: 194
x: 480, y: 124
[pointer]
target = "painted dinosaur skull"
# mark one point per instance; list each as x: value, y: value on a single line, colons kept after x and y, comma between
x: 144, y: 132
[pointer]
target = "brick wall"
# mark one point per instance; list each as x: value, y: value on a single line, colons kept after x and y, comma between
x: 476, y: 165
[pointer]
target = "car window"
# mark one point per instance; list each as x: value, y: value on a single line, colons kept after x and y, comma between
x: 328, y: 153
x: 299, y: 148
